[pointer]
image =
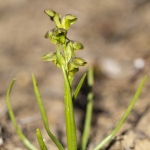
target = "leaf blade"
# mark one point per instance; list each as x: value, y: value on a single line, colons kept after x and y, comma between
x: 89, y: 110
x: 40, y: 140
x: 23, y: 138
x: 44, y: 115
x: 78, y: 87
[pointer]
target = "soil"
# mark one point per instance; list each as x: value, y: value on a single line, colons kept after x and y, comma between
x: 116, y: 39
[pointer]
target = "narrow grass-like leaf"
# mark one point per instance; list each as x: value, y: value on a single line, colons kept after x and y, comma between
x: 78, y: 87
x: 124, y: 117
x: 89, y: 109
x: 40, y: 140
x: 44, y: 115
x: 25, y: 141
x: 69, y: 114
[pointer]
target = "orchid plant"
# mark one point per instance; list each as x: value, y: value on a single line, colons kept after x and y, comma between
x: 65, y: 59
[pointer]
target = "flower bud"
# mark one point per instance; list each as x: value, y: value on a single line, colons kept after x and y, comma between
x: 77, y: 45
x: 56, y: 63
x: 60, y: 60
x: 56, y: 35
x: 60, y: 35
x: 74, y: 65
x: 69, y: 51
x: 51, y: 56
x: 59, y: 31
x: 54, y: 17
x: 68, y: 20
x: 50, y: 35
x: 77, y: 62
x: 73, y: 71
x: 50, y: 13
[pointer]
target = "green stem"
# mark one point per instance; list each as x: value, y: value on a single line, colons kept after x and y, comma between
x: 69, y: 114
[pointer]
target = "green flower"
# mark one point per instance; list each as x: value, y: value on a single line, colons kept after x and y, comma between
x: 50, y: 13
x: 74, y: 65
x: 68, y: 20
x: 69, y: 51
x: 51, y: 56
x: 77, y: 45
x: 77, y: 62
x: 57, y: 35
x: 54, y: 16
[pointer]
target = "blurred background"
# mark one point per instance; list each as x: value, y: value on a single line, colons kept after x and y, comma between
x: 116, y: 39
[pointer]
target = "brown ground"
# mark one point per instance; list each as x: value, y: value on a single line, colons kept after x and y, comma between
x: 115, y: 35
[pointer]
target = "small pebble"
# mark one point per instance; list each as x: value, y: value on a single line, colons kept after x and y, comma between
x: 139, y: 63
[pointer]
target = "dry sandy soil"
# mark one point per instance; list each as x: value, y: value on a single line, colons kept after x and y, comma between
x: 116, y: 37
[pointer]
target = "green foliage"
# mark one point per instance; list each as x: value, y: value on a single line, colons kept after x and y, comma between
x: 89, y: 109
x: 65, y: 59
x: 23, y: 138
x: 40, y: 140
x: 44, y: 116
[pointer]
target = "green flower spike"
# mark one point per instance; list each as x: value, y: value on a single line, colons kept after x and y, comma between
x: 66, y: 60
